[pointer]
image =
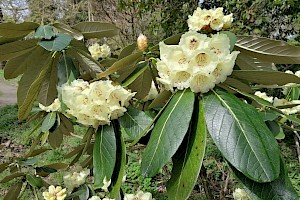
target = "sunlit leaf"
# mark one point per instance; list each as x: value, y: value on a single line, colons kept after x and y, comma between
x: 44, y: 32
x: 96, y: 29
x: 246, y: 62
x: 68, y: 30
x: 12, y: 30
x: 59, y: 42
x: 127, y: 50
x: 49, y: 121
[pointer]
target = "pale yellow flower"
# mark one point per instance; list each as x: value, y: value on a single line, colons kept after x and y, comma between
x: 264, y: 96
x: 228, y: 19
x: 240, y: 194
x: 55, y: 193
x: 202, y: 83
x: 140, y: 195
x: 55, y: 106
x: 98, y: 51
x: 94, y: 198
x: 75, y: 179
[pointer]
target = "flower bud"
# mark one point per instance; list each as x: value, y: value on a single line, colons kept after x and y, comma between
x: 142, y: 42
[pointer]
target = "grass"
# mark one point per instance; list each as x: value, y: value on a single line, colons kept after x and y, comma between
x: 216, y: 169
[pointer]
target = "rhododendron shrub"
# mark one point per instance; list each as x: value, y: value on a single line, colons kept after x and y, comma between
x: 176, y: 92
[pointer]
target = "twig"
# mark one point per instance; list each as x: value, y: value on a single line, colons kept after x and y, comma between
x: 204, y: 181
x: 225, y: 186
x: 77, y: 136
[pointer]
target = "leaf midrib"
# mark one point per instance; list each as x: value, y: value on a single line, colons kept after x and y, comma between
x: 243, y: 131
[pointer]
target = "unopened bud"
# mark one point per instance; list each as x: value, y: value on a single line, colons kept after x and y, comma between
x: 142, y: 42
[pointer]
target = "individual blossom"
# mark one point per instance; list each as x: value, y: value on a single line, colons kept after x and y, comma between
x: 55, y: 193
x: 240, y: 194
x: 55, y: 106
x: 106, y: 184
x: 97, y: 103
x: 142, y: 42
x: 217, y: 19
x: 75, y: 179
x: 98, y: 51
x: 264, y: 96
x: 140, y: 195
x: 228, y: 19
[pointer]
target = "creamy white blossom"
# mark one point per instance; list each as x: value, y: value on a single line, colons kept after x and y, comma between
x: 203, y: 19
x: 94, y: 198
x: 240, y: 194
x: 264, y: 96
x: 55, y: 193
x: 55, y: 106
x: 96, y: 103
x: 98, y: 51
x: 75, y: 179
x: 284, y: 102
x: 140, y: 195
x: 198, y: 62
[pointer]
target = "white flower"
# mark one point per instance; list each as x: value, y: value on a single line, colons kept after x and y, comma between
x: 106, y: 184
x: 75, y: 179
x: 55, y: 106
x: 202, y: 83
x: 220, y: 45
x: 142, y: 42
x: 283, y: 102
x: 140, y: 195
x: 107, y: 198
x: 55, y: 193
x: 94, y: 198
x: 228, y: 19
x: 217, y: 21
x: 240, y: 194
x: 264, y: 96
x: 192, y: 40
x: 98, y: 51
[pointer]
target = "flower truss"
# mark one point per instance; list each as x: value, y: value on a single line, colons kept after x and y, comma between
x: 98, y: 51
x: 96, y: 103
x: 55, y: 193
x: 75, y: 179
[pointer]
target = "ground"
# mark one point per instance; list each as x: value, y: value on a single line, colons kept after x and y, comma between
x: 8, y: 93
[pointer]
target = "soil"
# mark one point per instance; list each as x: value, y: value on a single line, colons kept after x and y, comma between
x: 8, y: 93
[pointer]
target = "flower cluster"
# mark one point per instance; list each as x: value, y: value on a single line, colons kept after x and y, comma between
x: 209, y: 19
x: 75, y: 179
x: 140, y: 195
x: 96, y: 103
x: 198, y: 62
x: 240, y: 194
x: 284, y: 102
x: 264, y: 96
x: 98, y: 51
x: 55, y: 193
x: 55, y: 106
x: 98, y: 198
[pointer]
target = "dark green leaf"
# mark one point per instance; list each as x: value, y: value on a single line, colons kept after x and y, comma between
x: 68, y: 30
x: 44, y: 32
x: 14, y: 192
x: 134, y: 122
x: 188, y: 159
x: 275, y: 51
x: 11, y: 30
x: 119, y: 170
x: 96, y: 29
x: 4, y: 40
x: 106, y: 63
x: 127, y: 50
x: 266, y: 77
x: 38, y: 152
x: 48, y: 92
x: 60, y: 42
x: 238, y: 85
x: 142, y: 84
x: 44, y: 171
x: 161, y: 99
x: 12, y: 176
x: 49, y: 121
x: 15, y: 49
x: 168, y: 132
x: 140, y: 69
x: 241, y: 135
x: 67, y: 71
x: 4, y: 166
x: 104, y: 154
x: 34, y: 181
x: 122, y: 64
x: 246, y: 62
x: 57, y: 166
x: 55, y: 138
x: 66, y: 126
x: 32, y: 80
x: 279, y: 189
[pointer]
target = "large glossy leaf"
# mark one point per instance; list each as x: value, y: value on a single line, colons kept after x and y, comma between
x: 68, y: 30
x: 32, y: 80
x: 67, y: 71
x: 4, y: 40
x: 11, y: 30
x: 17, y: 48
x: 60, y: 42
x: 14, y: 192
x: 55, y: 138
x: 188, y: 159
x: 34, y: 181
x: 266, y: 77
x: 246, y: 62
x: 268, y: 50
x: 104, y: 154
x: 96, y: 29
x: 161, y: 99
x: 140, y: 69
x: 17, y: 66
x: 122, y: 64
x: 279, y: 189
x: 11, y: 177
x: 127, y: 50
x: 238, y: 84
x: 48, y: 92
x: 134, y: 122
x: 119, y: 171
x: 44, y: 32
x: 241, y: 135
x: 142, y: 84
x: 168, y: 132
